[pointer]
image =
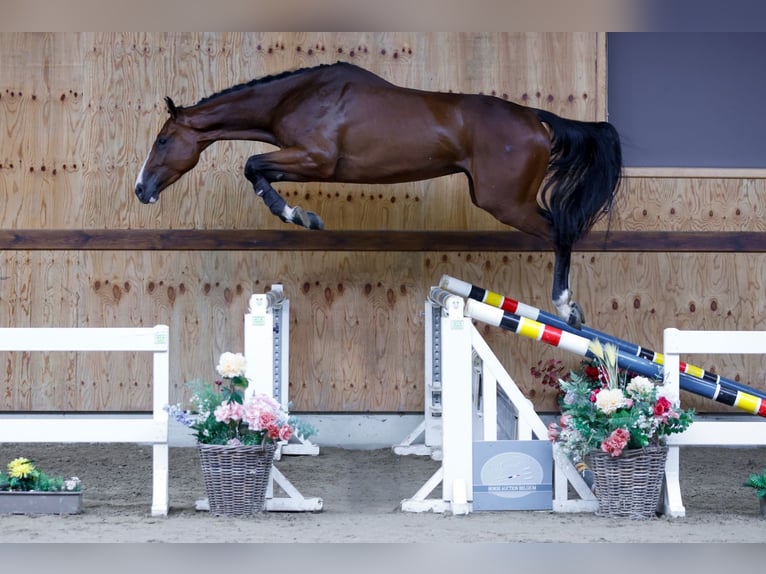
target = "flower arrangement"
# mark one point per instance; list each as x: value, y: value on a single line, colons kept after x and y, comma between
x: 609, y: 409
x: 221, y: 415
x: 23, y: 476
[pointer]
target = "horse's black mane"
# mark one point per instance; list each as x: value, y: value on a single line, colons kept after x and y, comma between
x: 263, y: 80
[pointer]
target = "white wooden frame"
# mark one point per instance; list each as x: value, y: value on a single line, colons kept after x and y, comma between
x: 745, y: 431
x: 99, y: 428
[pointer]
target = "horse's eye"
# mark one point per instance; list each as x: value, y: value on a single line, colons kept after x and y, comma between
x: 162, y: 140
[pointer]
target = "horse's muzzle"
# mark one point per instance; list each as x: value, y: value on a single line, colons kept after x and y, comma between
x: 145, y: 195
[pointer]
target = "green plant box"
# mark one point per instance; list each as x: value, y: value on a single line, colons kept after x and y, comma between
x: 40, y: 502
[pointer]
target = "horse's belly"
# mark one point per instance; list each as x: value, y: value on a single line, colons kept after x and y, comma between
x: 391, y: 170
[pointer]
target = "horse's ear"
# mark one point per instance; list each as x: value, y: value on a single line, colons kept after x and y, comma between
x: 172, y: 110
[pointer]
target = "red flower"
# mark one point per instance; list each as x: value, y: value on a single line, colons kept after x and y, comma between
x: 662, y: 407
x: 593, y: 373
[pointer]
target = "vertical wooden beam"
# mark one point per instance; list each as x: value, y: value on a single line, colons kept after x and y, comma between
x: 601, y: 77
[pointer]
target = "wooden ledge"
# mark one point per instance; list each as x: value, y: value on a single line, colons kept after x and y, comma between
x: 382, y: 241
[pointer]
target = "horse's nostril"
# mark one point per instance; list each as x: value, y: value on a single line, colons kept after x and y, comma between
x: 139, y: 189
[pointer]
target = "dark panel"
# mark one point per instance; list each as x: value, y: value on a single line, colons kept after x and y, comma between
x: 688, y: 100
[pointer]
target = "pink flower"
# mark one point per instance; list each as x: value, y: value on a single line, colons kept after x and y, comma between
x: 616, y: 442
x: 222, y: 412
x: 273, y: 432
x: 228, y: 411
x: 237, y: 411
x: 285, y: 432
x: 266, y: 419
x: 553, y: 432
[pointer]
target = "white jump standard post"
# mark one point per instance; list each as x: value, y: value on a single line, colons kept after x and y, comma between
x: 456, y: 472
x: 267, y: 337
x: 267, y: 350
x: 430, y: 428
x: 471, y: 397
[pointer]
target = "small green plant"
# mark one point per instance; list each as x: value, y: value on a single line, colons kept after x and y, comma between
x: 22, y: 475
x: 758, y: 482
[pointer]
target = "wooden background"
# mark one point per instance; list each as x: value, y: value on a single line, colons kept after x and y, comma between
x: 78, y: 114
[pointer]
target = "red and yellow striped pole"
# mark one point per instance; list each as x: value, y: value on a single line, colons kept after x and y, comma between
x: 469, y: 291
x: 579, y: 344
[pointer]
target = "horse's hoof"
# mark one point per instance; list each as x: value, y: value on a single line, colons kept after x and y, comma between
x: 315, y: 222
x: 307, y: 219
x: 576, y: 315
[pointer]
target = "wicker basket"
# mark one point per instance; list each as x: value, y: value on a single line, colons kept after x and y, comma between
x: 629, y: 484
x: 236, y: 477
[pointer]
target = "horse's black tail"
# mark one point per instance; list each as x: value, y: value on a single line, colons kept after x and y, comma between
x: 583, y: 175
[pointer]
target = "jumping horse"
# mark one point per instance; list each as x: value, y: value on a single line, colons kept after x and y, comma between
x: 544, y: 175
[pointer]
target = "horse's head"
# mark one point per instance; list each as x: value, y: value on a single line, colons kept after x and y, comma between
x: 176, y: 150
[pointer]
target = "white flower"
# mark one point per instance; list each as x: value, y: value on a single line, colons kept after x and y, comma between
x: 663, y: 391
x: 640, y: 386
x: 231, y: 365
x: 71, y: 483
x: 609, y: 400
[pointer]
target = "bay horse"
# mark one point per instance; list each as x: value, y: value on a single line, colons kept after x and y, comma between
x: 542, y: 174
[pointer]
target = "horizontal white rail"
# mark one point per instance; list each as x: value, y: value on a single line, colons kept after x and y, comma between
x: 83, y: 339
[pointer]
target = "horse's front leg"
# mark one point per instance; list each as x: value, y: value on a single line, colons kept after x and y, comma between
x: 276, y: 203
x: 561, y: 294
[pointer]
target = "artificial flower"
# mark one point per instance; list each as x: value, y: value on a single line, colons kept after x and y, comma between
x: 231, y: 365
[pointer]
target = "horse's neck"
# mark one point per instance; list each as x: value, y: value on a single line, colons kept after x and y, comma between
x: 244, y: 114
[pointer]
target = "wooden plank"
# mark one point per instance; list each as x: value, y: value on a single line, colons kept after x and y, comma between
x: 376, y: 241
x: 697, y: 172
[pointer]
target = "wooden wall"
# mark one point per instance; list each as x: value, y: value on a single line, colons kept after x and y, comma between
x: 78, y: 113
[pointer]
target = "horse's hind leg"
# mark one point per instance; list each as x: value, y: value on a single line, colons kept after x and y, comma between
x: 561, y: 294
x: 511, y: 196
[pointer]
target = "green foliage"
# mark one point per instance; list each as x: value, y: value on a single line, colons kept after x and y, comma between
x: 23, y: 476
x: 758, y: 482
